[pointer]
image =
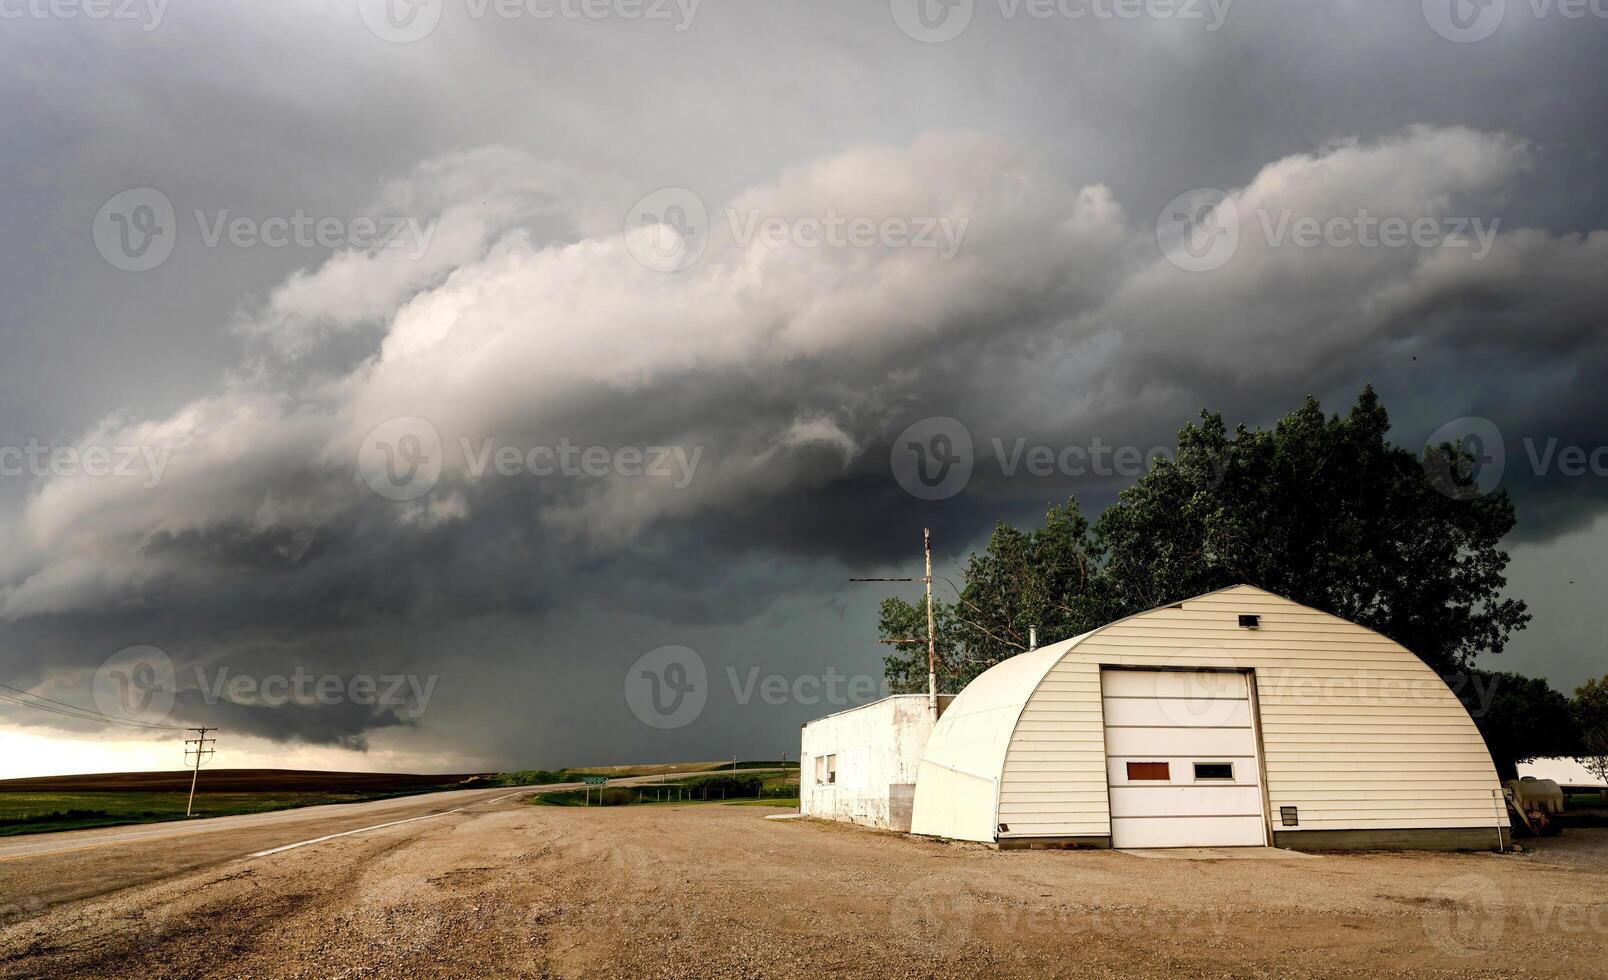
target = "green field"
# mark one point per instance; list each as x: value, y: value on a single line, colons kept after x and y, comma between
x: 46, y: 804
x: 758, y: 787
x: 37, y: 813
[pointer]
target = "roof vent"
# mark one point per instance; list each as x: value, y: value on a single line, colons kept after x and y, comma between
x: 1249, y: 622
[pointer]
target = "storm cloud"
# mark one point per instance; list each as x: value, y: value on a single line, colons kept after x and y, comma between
x: 651, y: 331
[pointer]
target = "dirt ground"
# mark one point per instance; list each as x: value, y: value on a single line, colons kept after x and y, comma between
x: 719, y: 891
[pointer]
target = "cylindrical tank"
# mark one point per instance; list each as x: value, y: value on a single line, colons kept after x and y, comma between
x: 1542, y: 795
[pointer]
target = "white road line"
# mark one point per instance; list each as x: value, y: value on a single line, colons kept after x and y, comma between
x: 348, y: 833
x: 381, y: 826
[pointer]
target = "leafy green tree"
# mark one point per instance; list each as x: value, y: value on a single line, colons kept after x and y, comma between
x: 1521, y: 718
x: 1323, y: 510
x: 1591, y: 714
x: 1048, y: 577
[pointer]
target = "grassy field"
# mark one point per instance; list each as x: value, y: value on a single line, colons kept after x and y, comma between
x: 45, y: 804
x: 42, y: 805
x: 37, y: 813
x: 767, y: 787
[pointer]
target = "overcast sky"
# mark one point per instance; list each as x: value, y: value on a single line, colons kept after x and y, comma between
x: 457, y: 356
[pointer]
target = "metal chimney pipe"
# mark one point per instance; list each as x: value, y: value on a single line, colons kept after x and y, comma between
x: 1032, y: 637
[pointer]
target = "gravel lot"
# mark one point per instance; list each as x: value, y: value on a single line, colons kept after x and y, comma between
x: 720, y: 891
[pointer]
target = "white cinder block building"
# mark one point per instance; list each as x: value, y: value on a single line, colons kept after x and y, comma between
x: 1237, y: 718
x: 860, y: 765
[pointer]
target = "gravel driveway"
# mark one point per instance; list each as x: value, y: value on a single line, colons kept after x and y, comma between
x: 717, y: 890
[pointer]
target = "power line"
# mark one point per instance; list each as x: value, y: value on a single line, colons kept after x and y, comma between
x: 92, y: 711
x: 77, y: 711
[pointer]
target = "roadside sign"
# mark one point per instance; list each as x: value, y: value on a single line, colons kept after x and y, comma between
x: 594, y: 780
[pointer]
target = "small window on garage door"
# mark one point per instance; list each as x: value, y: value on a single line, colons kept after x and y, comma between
x: 1205, y: 772
x: 1152, y: 771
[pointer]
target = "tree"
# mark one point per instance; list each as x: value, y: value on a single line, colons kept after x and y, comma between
x: 1322, y: 509
x: 1048, y: 577
x: 1591, y: 714
x: 1521, y: 718
x: 1325, y: 511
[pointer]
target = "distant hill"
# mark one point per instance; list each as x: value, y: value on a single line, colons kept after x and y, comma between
x: 235, y: 781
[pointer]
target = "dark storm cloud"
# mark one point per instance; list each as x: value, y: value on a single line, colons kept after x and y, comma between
x: 789, y: 370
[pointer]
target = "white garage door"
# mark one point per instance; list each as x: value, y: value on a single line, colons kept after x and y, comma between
x: 1181, y: 759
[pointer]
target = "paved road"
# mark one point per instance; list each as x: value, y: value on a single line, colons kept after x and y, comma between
x: 42, y: 870
x: 39, y: 871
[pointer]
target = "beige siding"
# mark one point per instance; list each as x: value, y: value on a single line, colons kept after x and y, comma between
x: 1356, y: 731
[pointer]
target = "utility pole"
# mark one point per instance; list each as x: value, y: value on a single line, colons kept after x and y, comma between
x: 932, y: 637
x: 202, y: 754
x: 932, y: 643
